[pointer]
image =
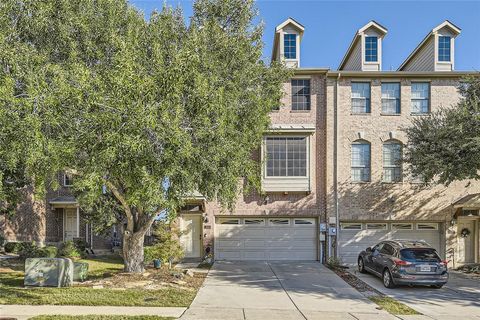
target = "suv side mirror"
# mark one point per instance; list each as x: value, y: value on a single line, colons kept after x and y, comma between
x: 369, y: 250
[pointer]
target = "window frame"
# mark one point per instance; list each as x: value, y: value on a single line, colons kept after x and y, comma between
x: 368, y: 100
x: 428, y: 98
x: 368, y: 56
x: 442, y: 51
x: 398, y: 166
x: 271, y: 222
x: 261, y: 220
x: 385, y: 226
x: 286, y: 176
x: 223, y: 221
x: 400, y: 223
x: 311, y: 220
x: 432, y: 224
x: 398, y: 99
x: 66, y: 177
x: 343, y: 226
x: 369, y: 167
x: 285, y: 46
x: 297, y: 105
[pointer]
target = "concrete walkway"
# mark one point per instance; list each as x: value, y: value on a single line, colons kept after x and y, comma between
x: 458, y: 299
x: 22, y: 312
x: 278, y: 290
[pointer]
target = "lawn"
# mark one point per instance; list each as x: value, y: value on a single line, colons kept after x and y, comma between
x: 393, y: 306
x: 93, y: 317
x: 13, y: 292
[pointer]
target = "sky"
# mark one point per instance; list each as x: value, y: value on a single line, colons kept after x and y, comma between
x: 331, y: 25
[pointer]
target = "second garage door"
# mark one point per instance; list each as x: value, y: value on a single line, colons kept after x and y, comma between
x: 357, y: 236
x: 265, y: 239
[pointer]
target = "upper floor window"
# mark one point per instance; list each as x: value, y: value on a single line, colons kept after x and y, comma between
x: 371, y: 49
x: 360, y: 97
x: 391, y: 98
x: 392, y: 162
x: 290, y: 46
x: 67, y: 180
x: 444, y: 48
x: 300, y: 94
x: 286, y: 156
x: 361, y: 161
x: 420, y: 97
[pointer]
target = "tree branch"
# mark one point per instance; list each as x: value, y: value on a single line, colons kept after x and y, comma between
x: 121, y: 198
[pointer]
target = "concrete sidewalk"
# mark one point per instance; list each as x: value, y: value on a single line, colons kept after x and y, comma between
x: 22, y: 312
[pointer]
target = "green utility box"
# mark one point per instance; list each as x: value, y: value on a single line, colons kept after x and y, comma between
x: 48, y: 272
x: 80, y: 271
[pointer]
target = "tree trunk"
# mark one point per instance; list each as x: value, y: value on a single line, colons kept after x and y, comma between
x: 133, y: 252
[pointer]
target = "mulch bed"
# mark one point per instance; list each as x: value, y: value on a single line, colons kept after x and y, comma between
x: 151, y: 279
x: 356, y: 283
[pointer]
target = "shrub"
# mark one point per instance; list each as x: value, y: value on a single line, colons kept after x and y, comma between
x: 334, y: 263
x: 49, y: 252
x: 69, y: 250
x: 166, y: 245
x: 29, y: 250
x: 12, y: 247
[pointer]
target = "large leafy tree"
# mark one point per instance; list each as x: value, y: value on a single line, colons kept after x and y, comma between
x: 142, y: 113
x: 445, y: 146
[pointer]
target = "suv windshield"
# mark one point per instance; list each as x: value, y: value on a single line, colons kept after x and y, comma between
x: 420, y: 254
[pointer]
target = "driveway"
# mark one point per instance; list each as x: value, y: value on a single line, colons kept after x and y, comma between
x: 263, y: 290
x: 458, y: 299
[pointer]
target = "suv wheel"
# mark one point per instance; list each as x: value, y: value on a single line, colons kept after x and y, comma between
x: 387, y: 279
x: 361, y: 266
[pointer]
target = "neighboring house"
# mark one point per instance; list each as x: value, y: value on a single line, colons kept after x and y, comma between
x: 55, y: 219
x: 332, y: 155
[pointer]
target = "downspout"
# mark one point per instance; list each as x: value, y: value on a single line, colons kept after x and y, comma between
x: 335, y: 166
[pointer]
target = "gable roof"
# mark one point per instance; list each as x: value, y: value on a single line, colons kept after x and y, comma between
x: 356, y: 37
x: 276, y: 36
x: 456, y: 31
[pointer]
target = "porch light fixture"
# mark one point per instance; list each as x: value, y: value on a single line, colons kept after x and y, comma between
x: 205, y: 219
x: 266, y: 199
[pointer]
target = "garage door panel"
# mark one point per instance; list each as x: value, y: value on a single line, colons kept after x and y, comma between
x: 265, y: 241
x: 352, y: 242
x: 230, y: 243
x: 251, y: 244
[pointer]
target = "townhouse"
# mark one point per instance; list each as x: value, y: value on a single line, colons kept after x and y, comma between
x: 332, y: 178
x: 333, y: 181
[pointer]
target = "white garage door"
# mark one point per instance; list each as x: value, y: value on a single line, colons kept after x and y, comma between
x: 265, y: 239
x: 357, y: 236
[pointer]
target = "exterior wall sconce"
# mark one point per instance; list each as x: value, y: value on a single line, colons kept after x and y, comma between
x: 205, y: 219
x: 266, y: 199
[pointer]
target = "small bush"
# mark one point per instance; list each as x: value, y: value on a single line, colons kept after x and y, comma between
x: 69, y: 250
x: 29, y: 250
x: 49, y: 252
x: 333, y: 263
x: 12, y: 247
x: 166, y: 244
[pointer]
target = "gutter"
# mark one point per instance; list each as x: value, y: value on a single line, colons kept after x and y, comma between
x: 400, y: 74
x: 335, y: 165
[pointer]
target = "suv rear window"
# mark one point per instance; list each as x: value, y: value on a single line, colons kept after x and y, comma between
x: 423, y: 254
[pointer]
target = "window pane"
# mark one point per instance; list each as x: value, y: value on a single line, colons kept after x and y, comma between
x: 391, y: 98
x: 420, y: 97
x: 300, y: 94
x: 360, y: 97
x: 290, y: 46
x: 361, y: 162
x: 444, y: 48
x: 286, y: 156
x: 371, y: 50
x: 392, y: 162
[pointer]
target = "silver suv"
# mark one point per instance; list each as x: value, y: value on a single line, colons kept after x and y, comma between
x: 405, y: 262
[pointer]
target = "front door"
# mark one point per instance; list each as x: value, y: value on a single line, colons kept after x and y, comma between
x: 70, y: 230
x: 191, y: 235
x: 466, y: 245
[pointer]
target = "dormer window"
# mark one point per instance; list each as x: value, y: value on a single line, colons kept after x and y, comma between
x: 444, y: 48
x: 290, y: 46
x: 371, y: 49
